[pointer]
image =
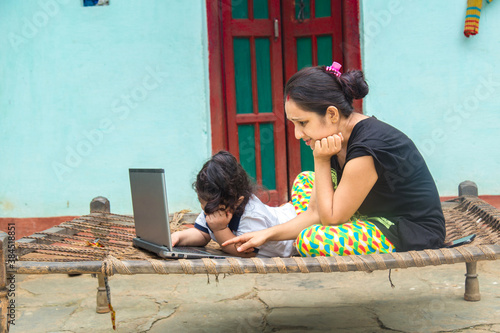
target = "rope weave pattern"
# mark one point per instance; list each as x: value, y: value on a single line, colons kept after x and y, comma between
x: 379, y: 261
x: 399, y: 260
x: 433, y: 257
x: 490, y: 255
x: 417, y: 259
x: 325, y: 265
x: 158, y: 266
x: 368, y: 263
x: 342, y: 264
x: 186, y: 266
x: 301, y: 264
x: 281, y: 265
x: 468, y: 215
x: 448, y: 256
x: 235, y: 266
x: 259, y: 265
x: 210, y: 266
x: 111, y: 264
x: 466, y: 253
x: 360, y: 265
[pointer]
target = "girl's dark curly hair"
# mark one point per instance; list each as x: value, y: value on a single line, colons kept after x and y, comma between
x: 222, y: 181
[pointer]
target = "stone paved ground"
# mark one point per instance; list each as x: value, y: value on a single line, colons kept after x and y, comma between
x: 428, y: 299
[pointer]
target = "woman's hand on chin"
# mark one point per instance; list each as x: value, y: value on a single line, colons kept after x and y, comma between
x: 249, y: 241
x: 327, y: 147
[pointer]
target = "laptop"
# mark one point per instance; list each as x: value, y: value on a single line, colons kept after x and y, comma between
x: 149, y: 201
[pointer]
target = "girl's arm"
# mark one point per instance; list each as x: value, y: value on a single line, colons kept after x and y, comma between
x: 218, y: 222
x: 225, y: 234
x: 190, y: 237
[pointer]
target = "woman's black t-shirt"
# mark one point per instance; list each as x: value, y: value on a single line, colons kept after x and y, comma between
x: 404, y: 193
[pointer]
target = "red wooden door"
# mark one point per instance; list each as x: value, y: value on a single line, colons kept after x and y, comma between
x: 255, y: 46
x: 253, y: 77
x: 312, y: 35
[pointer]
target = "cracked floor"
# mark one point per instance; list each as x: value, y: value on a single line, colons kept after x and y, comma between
x: 428, y: 299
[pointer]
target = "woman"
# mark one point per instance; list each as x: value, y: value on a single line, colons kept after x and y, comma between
x: 372, y: 192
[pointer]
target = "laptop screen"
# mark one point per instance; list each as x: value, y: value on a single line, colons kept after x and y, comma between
x: 149, y: 201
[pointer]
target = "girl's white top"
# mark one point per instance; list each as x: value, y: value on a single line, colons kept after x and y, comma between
x: 258, y: 216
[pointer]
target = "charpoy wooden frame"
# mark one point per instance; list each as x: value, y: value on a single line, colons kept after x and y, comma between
x: 476, y: 210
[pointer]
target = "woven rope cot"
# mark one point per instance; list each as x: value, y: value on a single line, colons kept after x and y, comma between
x: 67, y: 249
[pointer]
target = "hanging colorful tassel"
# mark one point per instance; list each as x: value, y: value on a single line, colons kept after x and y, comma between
x: 113, y: 316
x: 108, y: 294
x: 472, y: 16
x: 95, y: 243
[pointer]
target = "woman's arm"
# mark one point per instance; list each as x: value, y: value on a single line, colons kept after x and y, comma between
x: 190, y: 237
x: 285, y: 231
x: 359, y: 175
x: 337, y: 206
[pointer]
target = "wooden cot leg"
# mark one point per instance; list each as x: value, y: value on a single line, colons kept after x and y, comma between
x: 4, y: 299
x: 472, y: 283
x: 102, y: 297
x: 100, y: 204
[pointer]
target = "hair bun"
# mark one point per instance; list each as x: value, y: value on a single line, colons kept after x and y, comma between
x: 353, y: 84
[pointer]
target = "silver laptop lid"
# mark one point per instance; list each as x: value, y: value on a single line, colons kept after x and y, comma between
x: 149, y: 200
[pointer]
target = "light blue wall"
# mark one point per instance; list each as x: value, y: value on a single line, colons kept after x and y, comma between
x: 86, y: 93
x: 439, y: 87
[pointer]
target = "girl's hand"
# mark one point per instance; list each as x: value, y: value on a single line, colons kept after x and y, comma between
x: 219, y: 220
x: 327, y: 147
x: 175, y: 238
x: 247, y: 242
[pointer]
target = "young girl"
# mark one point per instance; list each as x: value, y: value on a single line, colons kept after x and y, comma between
x: 231, y: 209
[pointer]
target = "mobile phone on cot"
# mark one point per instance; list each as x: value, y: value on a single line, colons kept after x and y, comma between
x: 461, y: 241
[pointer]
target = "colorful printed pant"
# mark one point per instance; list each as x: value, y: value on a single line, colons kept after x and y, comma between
x: 358, y: 236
